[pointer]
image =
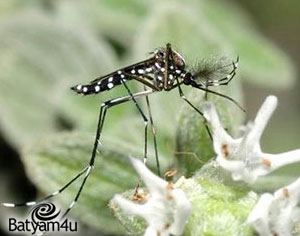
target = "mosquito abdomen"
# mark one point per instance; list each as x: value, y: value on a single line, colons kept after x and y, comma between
x: 100, y: 85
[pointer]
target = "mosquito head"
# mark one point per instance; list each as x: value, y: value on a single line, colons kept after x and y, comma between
x: 189, y: 79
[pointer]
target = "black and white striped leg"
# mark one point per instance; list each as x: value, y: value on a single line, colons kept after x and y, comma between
x: 32, y: 203
x: 145, y: 119
x: 103, y: 111
x: 153, y: 133
x: 195, y: 108
x: 228, y: 78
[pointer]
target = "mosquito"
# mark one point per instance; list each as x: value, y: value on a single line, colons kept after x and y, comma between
x: 165, y: 70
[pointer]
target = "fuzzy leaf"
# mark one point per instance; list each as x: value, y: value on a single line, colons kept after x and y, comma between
x: 277, y: 179
x: 218, y: 209
x: 262, y: 62
x: 178, y: 24
x: 40, y: 59
x: 93, y: 14
x: 54, y: 160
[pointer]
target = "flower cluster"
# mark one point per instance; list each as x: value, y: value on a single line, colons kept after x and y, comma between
x: 243, y: 157
x: 277, y: 214
x: 166, y: 208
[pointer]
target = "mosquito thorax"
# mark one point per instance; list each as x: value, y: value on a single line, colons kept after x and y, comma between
x: 178, y: 59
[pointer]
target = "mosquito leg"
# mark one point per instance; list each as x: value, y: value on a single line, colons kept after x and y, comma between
x: 146, y: 131
x: 143, y: 116
x: 228, y: 78
x: 103, y: 111
x: 32, y: 203
x: 89, y: 168
x: 222, y: 95
x: 153, y: 133
x: 195, y: 108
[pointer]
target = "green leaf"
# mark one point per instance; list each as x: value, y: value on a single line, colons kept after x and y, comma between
x: 219, y: 209
x: 182, y: 26
x: 40, y: 59
x: 121, y: 17
x: 55, y: 160
x: 262, y: 62
x: 277, y: 179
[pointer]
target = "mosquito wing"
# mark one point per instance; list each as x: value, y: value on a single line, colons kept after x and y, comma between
x: 115, y: 78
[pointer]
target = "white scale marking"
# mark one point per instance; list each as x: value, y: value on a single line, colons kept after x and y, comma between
x: 119, y: 72
x: 79, y: 87
x: 159, y: 78
x: 171, y: 77
x: 72, y: 204
x: 171, y: 67
x: 149, y: 69
x: 110, y: 85
x: 30, y: 203
x: 122, y: 76
x: 157, y: 65
x: 85, y: 89
x: 178, y: 71
x: 162, y: 69
x: 110, y: 79
x: 88, y: 171
x: 97, y: 88
x: 132, y: 71
x: 8, y: 204
x: 141, y: 71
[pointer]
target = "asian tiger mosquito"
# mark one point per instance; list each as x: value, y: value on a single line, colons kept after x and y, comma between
x: 164, y: 71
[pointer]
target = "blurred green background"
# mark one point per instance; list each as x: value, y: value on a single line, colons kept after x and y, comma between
x: 48, y: 46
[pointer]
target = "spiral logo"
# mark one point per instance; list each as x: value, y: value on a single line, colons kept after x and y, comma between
x: 44, y: 212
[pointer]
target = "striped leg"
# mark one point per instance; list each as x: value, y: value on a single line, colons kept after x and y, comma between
x: 145, y: 119
x: 153, y: 133
x: 195, y: 108
x: 32, y: 203
x: 103, y: 111
x: 227, y: 79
